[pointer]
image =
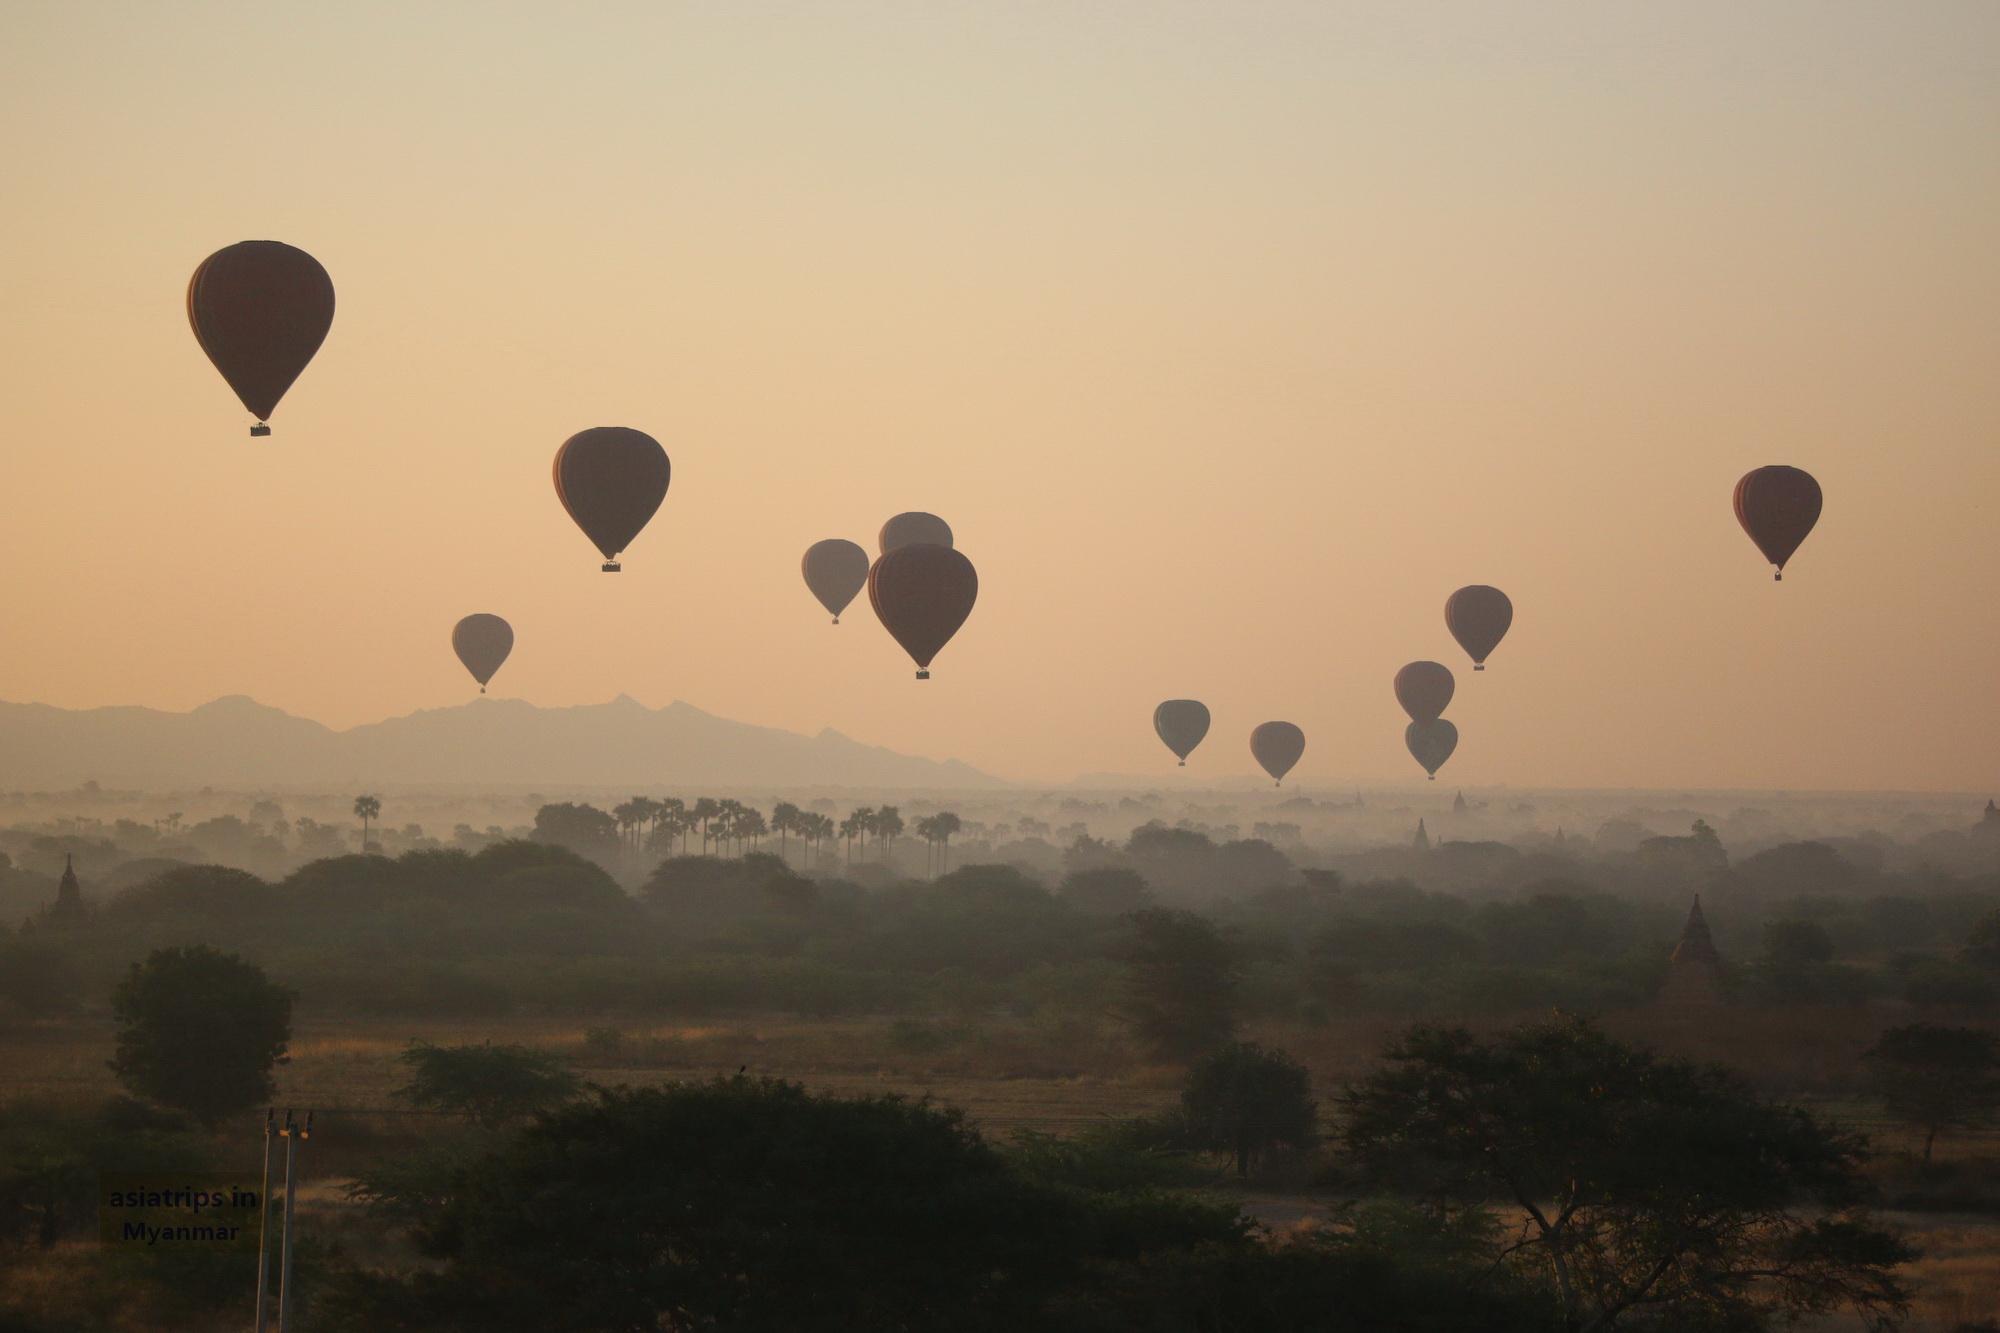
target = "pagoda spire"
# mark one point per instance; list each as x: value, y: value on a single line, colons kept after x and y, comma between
x: 1697, y: 943
x: 1694, y: 974
x: 68, y: 905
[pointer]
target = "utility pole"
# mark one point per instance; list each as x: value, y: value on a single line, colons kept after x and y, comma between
x: 292, y: 1137
x: 264, y: 1224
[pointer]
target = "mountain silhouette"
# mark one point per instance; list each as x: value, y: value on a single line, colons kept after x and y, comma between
x: 238, y: 742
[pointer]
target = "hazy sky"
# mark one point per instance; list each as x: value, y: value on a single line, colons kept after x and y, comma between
x: 1229, y: 337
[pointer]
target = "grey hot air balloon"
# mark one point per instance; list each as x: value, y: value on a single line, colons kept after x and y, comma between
x: 915, y: 526
x: 1431, y: 743
x: 1277, y: 746
x: 1181, y: 723
x: 482, y: 642
x: 1424, y: 689
x: 835, y: 571
x: 1478, y: 617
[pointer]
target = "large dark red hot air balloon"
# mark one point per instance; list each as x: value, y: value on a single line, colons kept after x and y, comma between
x: 1777, y: 506
x: 611, y: 480
x: 915, y: 526
x: 482, y: 642
x: 1424, y: 689
x: 1431, y: 743
x: 1478, y: 617
x: 835, y: 570
x: 1277, y: 746
x: 1181, y: 723
x: 922, y: 593
x: 260, y: 309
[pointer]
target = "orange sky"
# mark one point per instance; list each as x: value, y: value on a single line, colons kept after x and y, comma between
x: 1230, y: 338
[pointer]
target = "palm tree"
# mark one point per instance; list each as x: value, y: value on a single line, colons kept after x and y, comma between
x: 947, y: 824
x: 367, y: 808
x: 786, y: 818
x: 813, y: 830
x: 664, y: 812
x: 888, y: 828
x: 705, y: 811
x: 936, y: 832
x: 728, y: 819
x: 750, y: 824
x: 855, y: 826
x: 631, y: 816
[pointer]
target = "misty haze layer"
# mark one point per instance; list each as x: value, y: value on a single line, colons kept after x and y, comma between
x: 236, y: 740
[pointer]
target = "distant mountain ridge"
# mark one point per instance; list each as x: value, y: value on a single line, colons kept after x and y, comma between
x: 236, y: 741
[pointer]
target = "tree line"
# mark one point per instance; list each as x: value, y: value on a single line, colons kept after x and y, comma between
x: 671, y: 827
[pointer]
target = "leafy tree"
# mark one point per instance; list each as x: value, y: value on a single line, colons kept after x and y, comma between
x: 1794, y: 868
x: 1247, y: 1101
x: 584, y: 829
x: 487, y: 1084
x: 223, y: 895
x: 199, y: 1031
x: 1182, y: 983
x: 1390, y: 946
x: 1651, y: 1190
x: 1106, y: 891
x: 367, y: 809
x: 1789, y: 943
x: 1937, y: 1078
x: 1982, y: 943
x: 741, y: 1204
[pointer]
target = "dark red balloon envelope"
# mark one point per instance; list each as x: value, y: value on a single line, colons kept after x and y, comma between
x: 611, y: 479
x: 1777, y: 506
x: 1424, y: 689
x: 922, y: 593
x: 1478, y: 617
x: 260, y: 309
x: 1277, y: 746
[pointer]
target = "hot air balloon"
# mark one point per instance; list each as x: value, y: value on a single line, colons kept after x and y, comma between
x: 482, y: 642
x: 611, y: 480
x: 1181, y: 723
x: 922, y: 593
x: 835, y: 570
x: 1777, y: 506
x: 1431, y: 743
x: 1478, y: 617
x: 915, y: 526
x: 260, y: 309
x: 1424, y: 688
x: 1277, y: 746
